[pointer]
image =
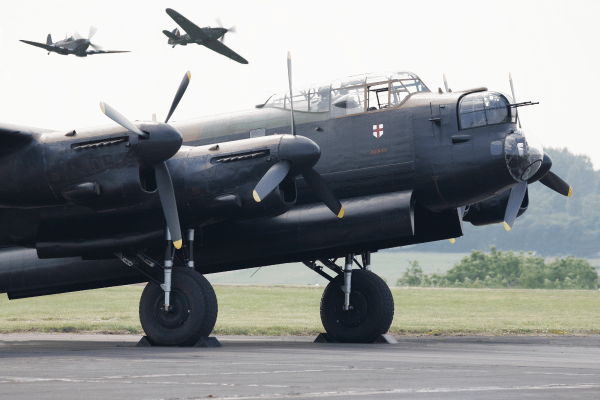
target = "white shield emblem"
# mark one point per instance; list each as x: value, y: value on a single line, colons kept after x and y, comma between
x: 378, y: 130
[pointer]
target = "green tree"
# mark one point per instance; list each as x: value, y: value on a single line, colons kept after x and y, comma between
x: 413, y: 276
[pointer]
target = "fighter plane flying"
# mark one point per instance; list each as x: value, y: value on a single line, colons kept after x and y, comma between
x: 209, y: 37
x: 73, y: 45
x: 323, y: 173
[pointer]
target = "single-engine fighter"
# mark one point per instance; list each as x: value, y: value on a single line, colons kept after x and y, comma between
x: 262, y: 187
x: 209, y: 37
x: 73, y: 45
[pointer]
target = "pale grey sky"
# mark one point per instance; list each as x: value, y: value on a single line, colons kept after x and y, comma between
x: 551, y: 48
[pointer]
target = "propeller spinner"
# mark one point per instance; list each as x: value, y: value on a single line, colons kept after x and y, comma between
x: 170, y: 140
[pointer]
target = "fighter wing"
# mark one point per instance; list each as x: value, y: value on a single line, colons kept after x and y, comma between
x: 188, y: 26
x: 55, y: 49
x: 220, y: 48
x: 92, y: 52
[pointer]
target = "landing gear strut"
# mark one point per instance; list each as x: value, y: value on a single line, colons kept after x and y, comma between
x: 364, y: 307
x: 183, y: 307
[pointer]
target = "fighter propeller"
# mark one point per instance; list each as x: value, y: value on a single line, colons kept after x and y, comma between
x: 298, y: 156
x: 543, y: 174
x: 169, y: 138
x: 91, y: 34
x: 232, y: 30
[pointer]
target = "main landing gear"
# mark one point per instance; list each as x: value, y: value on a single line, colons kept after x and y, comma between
x: 357, y: 305
x: 183, y: 307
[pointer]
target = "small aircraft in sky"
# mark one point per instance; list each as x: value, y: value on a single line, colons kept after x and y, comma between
x: 73, y: 45
x: 208, y: 37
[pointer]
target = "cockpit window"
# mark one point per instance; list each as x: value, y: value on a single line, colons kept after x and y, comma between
x: 485, y: 108
x: 352, y: 95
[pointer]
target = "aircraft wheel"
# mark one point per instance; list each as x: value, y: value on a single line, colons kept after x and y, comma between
x: 193, y: 311
x: 372, y: 308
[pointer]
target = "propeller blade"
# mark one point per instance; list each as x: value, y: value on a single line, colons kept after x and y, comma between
x: 169, y: 205
x: 77, y: 35
x: 271, y: 180
x: 92, y: 32
x: 95, y: 46
x: 446, y: 83
x: 512, y: 89
x: 232, y: 29
x: 121, y: 120
x: 555, y: 183
x: 289, y: 66
x: 222, y: 38
x: 517, y: 194
x: 182, y: 87
x: 315, y: 181
x: 219, y: 22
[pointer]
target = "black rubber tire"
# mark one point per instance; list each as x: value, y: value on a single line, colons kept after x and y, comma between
x: 194, y: 311
x: 372, y: 313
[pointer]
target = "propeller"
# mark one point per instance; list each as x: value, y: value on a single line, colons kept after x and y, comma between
x: 91, y: 34
x: 552, y: 181
x: 166, y: 136
x: 227, y: 30
x: 274, y: 176
x: 446, y: 84
x: 298, y: 155
x: 543, y: 174
x: 515, y: 199
x: 289, y: 67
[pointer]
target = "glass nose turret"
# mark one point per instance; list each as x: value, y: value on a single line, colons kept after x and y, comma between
x: 523, y: 153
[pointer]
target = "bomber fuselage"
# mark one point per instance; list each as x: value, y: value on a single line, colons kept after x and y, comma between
x: 417, y: 145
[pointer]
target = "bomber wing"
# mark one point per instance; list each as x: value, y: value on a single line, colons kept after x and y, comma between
x: 220, y: 48
x: 195, y: 32
x: 55, y: 49
x: 14, y: 135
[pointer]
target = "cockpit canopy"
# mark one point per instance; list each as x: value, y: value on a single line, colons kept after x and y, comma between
x: 485, y: 108
x: 352, y: 95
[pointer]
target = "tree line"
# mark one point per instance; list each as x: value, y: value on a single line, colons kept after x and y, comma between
x: 500, y: 269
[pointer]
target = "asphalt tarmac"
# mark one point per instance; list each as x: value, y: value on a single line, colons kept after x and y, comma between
x: 46, y: 366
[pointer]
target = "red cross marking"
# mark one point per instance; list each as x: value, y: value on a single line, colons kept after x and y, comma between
x: 378, y: 130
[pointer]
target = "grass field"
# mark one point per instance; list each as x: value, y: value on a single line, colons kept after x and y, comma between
x: 276, y: 310
x: 390, y: 265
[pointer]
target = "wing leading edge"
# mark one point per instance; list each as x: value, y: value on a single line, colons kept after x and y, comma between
x: 220, y: 48
x: 55, y: 49
x: 92, y: 52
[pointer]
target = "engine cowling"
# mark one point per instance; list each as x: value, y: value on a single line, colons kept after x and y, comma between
x: 492, y: 211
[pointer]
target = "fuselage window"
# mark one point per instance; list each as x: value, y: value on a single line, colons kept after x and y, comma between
x: 487, y: 108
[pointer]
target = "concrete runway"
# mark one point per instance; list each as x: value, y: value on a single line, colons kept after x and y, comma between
x: 45, y: 366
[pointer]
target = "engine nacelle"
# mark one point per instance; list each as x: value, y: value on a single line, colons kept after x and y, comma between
x: 491, y: 211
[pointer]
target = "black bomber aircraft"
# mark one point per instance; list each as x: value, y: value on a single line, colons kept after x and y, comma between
x: 211, y: 38
x: 75, y: 44
x: 329, y: 172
